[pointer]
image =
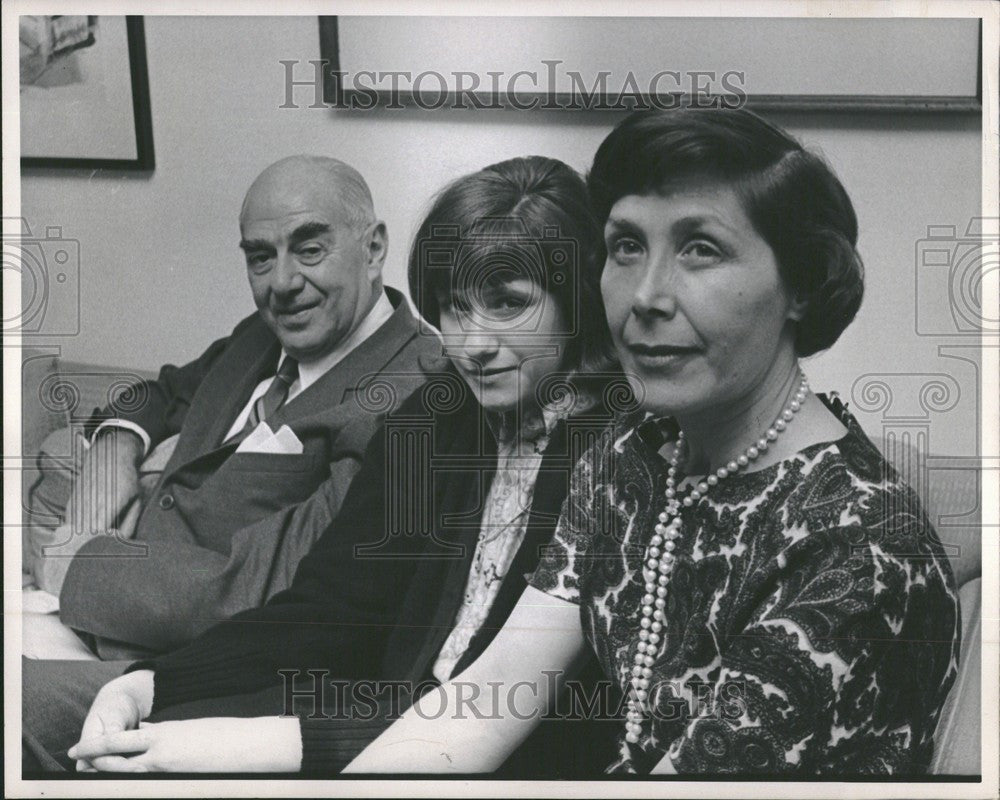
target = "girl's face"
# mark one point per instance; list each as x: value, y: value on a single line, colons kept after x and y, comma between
x: 696, y: 306
x: 504, y: 339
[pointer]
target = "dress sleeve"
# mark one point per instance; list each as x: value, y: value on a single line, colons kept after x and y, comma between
x: 838, y: 669
x: 564, y: 560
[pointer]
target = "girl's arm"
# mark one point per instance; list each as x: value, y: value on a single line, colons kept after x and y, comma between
x: 474, y: 722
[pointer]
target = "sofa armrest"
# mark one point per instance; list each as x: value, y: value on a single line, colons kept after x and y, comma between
x: 957, y: 741
x: 41, y: 409
x: 57, y: 395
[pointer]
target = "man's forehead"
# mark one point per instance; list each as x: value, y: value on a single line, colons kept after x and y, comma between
x: 282, y: 211
x: 285, y: 222
x: 296, y: 193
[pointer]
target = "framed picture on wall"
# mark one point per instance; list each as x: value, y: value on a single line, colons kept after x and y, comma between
x: 550, y: 63
x: 84, y: 93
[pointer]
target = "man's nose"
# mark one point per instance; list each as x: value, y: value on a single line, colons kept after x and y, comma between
x: 656, y: 293
x: 286, y: 277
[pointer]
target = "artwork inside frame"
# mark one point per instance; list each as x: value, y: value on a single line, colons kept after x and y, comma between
x: 84, y: 93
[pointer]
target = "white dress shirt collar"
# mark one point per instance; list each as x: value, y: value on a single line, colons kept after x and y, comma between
x: 311, y: 371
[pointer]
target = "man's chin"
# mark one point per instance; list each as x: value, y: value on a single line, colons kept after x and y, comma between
x: 302, y: 340
x: 304, y: 347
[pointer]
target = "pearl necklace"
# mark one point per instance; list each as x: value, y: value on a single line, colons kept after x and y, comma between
x: 659, y: 557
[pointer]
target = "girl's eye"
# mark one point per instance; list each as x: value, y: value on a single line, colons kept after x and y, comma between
x: 508, y: 306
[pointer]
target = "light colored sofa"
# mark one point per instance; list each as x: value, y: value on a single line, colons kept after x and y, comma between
x: 56, y: 394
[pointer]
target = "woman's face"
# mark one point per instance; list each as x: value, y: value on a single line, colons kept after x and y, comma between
x: 504, y: 339
x: 696, y: 307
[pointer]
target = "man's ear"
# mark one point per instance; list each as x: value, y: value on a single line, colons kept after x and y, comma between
x: 377, y: 246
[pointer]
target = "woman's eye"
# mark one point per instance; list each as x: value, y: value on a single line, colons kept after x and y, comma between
x: 625, y: 250
x: 701, y: 252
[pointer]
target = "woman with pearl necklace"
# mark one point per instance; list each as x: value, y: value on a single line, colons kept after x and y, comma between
x: 768, y: 595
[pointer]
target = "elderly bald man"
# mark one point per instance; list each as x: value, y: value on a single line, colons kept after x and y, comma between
x: 271, y: 423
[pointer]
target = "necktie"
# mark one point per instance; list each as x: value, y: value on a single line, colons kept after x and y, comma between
x: 276, y: 394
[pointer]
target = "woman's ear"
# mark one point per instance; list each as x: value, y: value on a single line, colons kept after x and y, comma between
x: 797, y: 307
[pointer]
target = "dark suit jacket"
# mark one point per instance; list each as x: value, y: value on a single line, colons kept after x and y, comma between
x: 225, y: 530
x: 378, y: 594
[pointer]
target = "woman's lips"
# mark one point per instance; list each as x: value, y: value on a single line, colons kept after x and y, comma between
x: 660, y: 356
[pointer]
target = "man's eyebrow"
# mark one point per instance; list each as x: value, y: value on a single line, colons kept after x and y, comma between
x: 307, y: 230
x: 255, y: 244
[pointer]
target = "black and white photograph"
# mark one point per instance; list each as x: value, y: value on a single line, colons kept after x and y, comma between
x: 529, y: 399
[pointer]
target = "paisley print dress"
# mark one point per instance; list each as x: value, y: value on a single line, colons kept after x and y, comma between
x: 812, y: 623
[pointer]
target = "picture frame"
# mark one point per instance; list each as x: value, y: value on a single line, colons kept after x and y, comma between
x: 84, y: 98
x: 787, y: 73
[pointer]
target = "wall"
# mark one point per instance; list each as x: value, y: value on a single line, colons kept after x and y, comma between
x: 161, y: 275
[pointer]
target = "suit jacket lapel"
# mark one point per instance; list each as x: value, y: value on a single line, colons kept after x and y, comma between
x: 359, y: 366
x: 223, y: 393
x: 254, y: 357
x: 465, y: 492
x: 546, y: 503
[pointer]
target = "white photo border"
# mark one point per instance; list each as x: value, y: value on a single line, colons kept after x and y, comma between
x: 261, y: 786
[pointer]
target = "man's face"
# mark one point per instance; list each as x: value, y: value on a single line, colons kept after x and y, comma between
x: 310, y: 269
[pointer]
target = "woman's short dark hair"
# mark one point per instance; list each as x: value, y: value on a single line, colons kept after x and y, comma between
x: 791, y: 196
x: 518, y: 218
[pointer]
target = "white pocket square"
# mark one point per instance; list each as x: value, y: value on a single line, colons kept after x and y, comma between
x: 264, y: 440
x: 256, y: 439
x: 286, y: 441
